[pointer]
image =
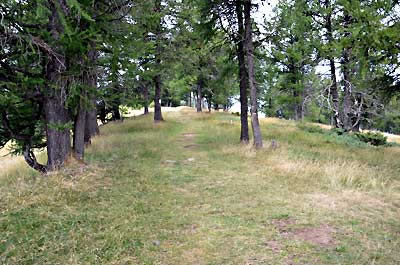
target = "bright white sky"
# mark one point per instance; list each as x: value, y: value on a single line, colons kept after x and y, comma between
x: 265, y: 9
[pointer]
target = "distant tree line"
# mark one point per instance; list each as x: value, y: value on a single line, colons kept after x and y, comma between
x: 354, y: 43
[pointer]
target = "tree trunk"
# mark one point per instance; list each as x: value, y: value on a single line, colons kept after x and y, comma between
x: 199, y: 95
x: 56, y: 114
x: 270, y: 107
x: 91, y: 127
x: 116, y: 115
x: 157, y: 79
x: 102, y: 111
x: 30, y: 159
x: 157, y: 98
x: 334, y: 95
x: 333, y: 89
x: 295, y: 106
x: 252, y: 82
x: 347, y: 99
x: 146, y: 99
x: 79, y: 133
x: 298, y: 105
x: 297, y: 111
x: 347, y: 102
x: 356, y: 118
x: 243, y: 78
x: 58, y: 129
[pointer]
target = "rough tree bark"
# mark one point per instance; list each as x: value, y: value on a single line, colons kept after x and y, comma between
x: 79, y: 132
x: 296, y: 104
x: 115, y: 103
x: 91, y: 126
x: 57, y: 122
x: 347, y: 98
x: 56, y: 114
x: 30, y: 159
x: 333, y: 89
x: 252, y: 82
x: 84, y: 129
x: 116, y: 114
x: 209, y: 103
x: 146, y: 98
x: 157, y: 79
x: 347, y: 102
x: 244, y: 82
x: 199, y: 94
x: 334, y: 95
x: 157, y: 99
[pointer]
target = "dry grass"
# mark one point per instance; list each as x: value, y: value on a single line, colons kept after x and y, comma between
x: 10, y: 163
x: 138, y: 112
x: 392, y: 137
x: 11, y: 166
x: 310, y: 201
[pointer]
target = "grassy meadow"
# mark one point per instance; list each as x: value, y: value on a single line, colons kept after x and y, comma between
x: 186, y: 192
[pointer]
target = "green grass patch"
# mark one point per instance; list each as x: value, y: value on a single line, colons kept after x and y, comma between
x: 186, y: 192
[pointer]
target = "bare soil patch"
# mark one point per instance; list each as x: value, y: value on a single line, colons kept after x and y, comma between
x: 275, y: 246
x: 189, y: 135
x: 321, y: 236
x: 187, y: 140
x: 283, y: 225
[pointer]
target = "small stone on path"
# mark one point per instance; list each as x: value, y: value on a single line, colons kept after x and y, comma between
x: 156, y: 242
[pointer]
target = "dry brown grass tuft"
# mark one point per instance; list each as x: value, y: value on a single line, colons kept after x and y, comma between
x: 9, y: 163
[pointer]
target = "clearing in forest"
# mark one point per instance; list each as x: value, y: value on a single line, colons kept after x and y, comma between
x: 185, y: 192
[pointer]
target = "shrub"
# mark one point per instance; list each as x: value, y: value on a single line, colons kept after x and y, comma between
x: 340, y: 136
x: 310, y: 128
x: 338, y: 131
x: 389, y: 123
x: 392, y: 144
x: 372, y: 138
